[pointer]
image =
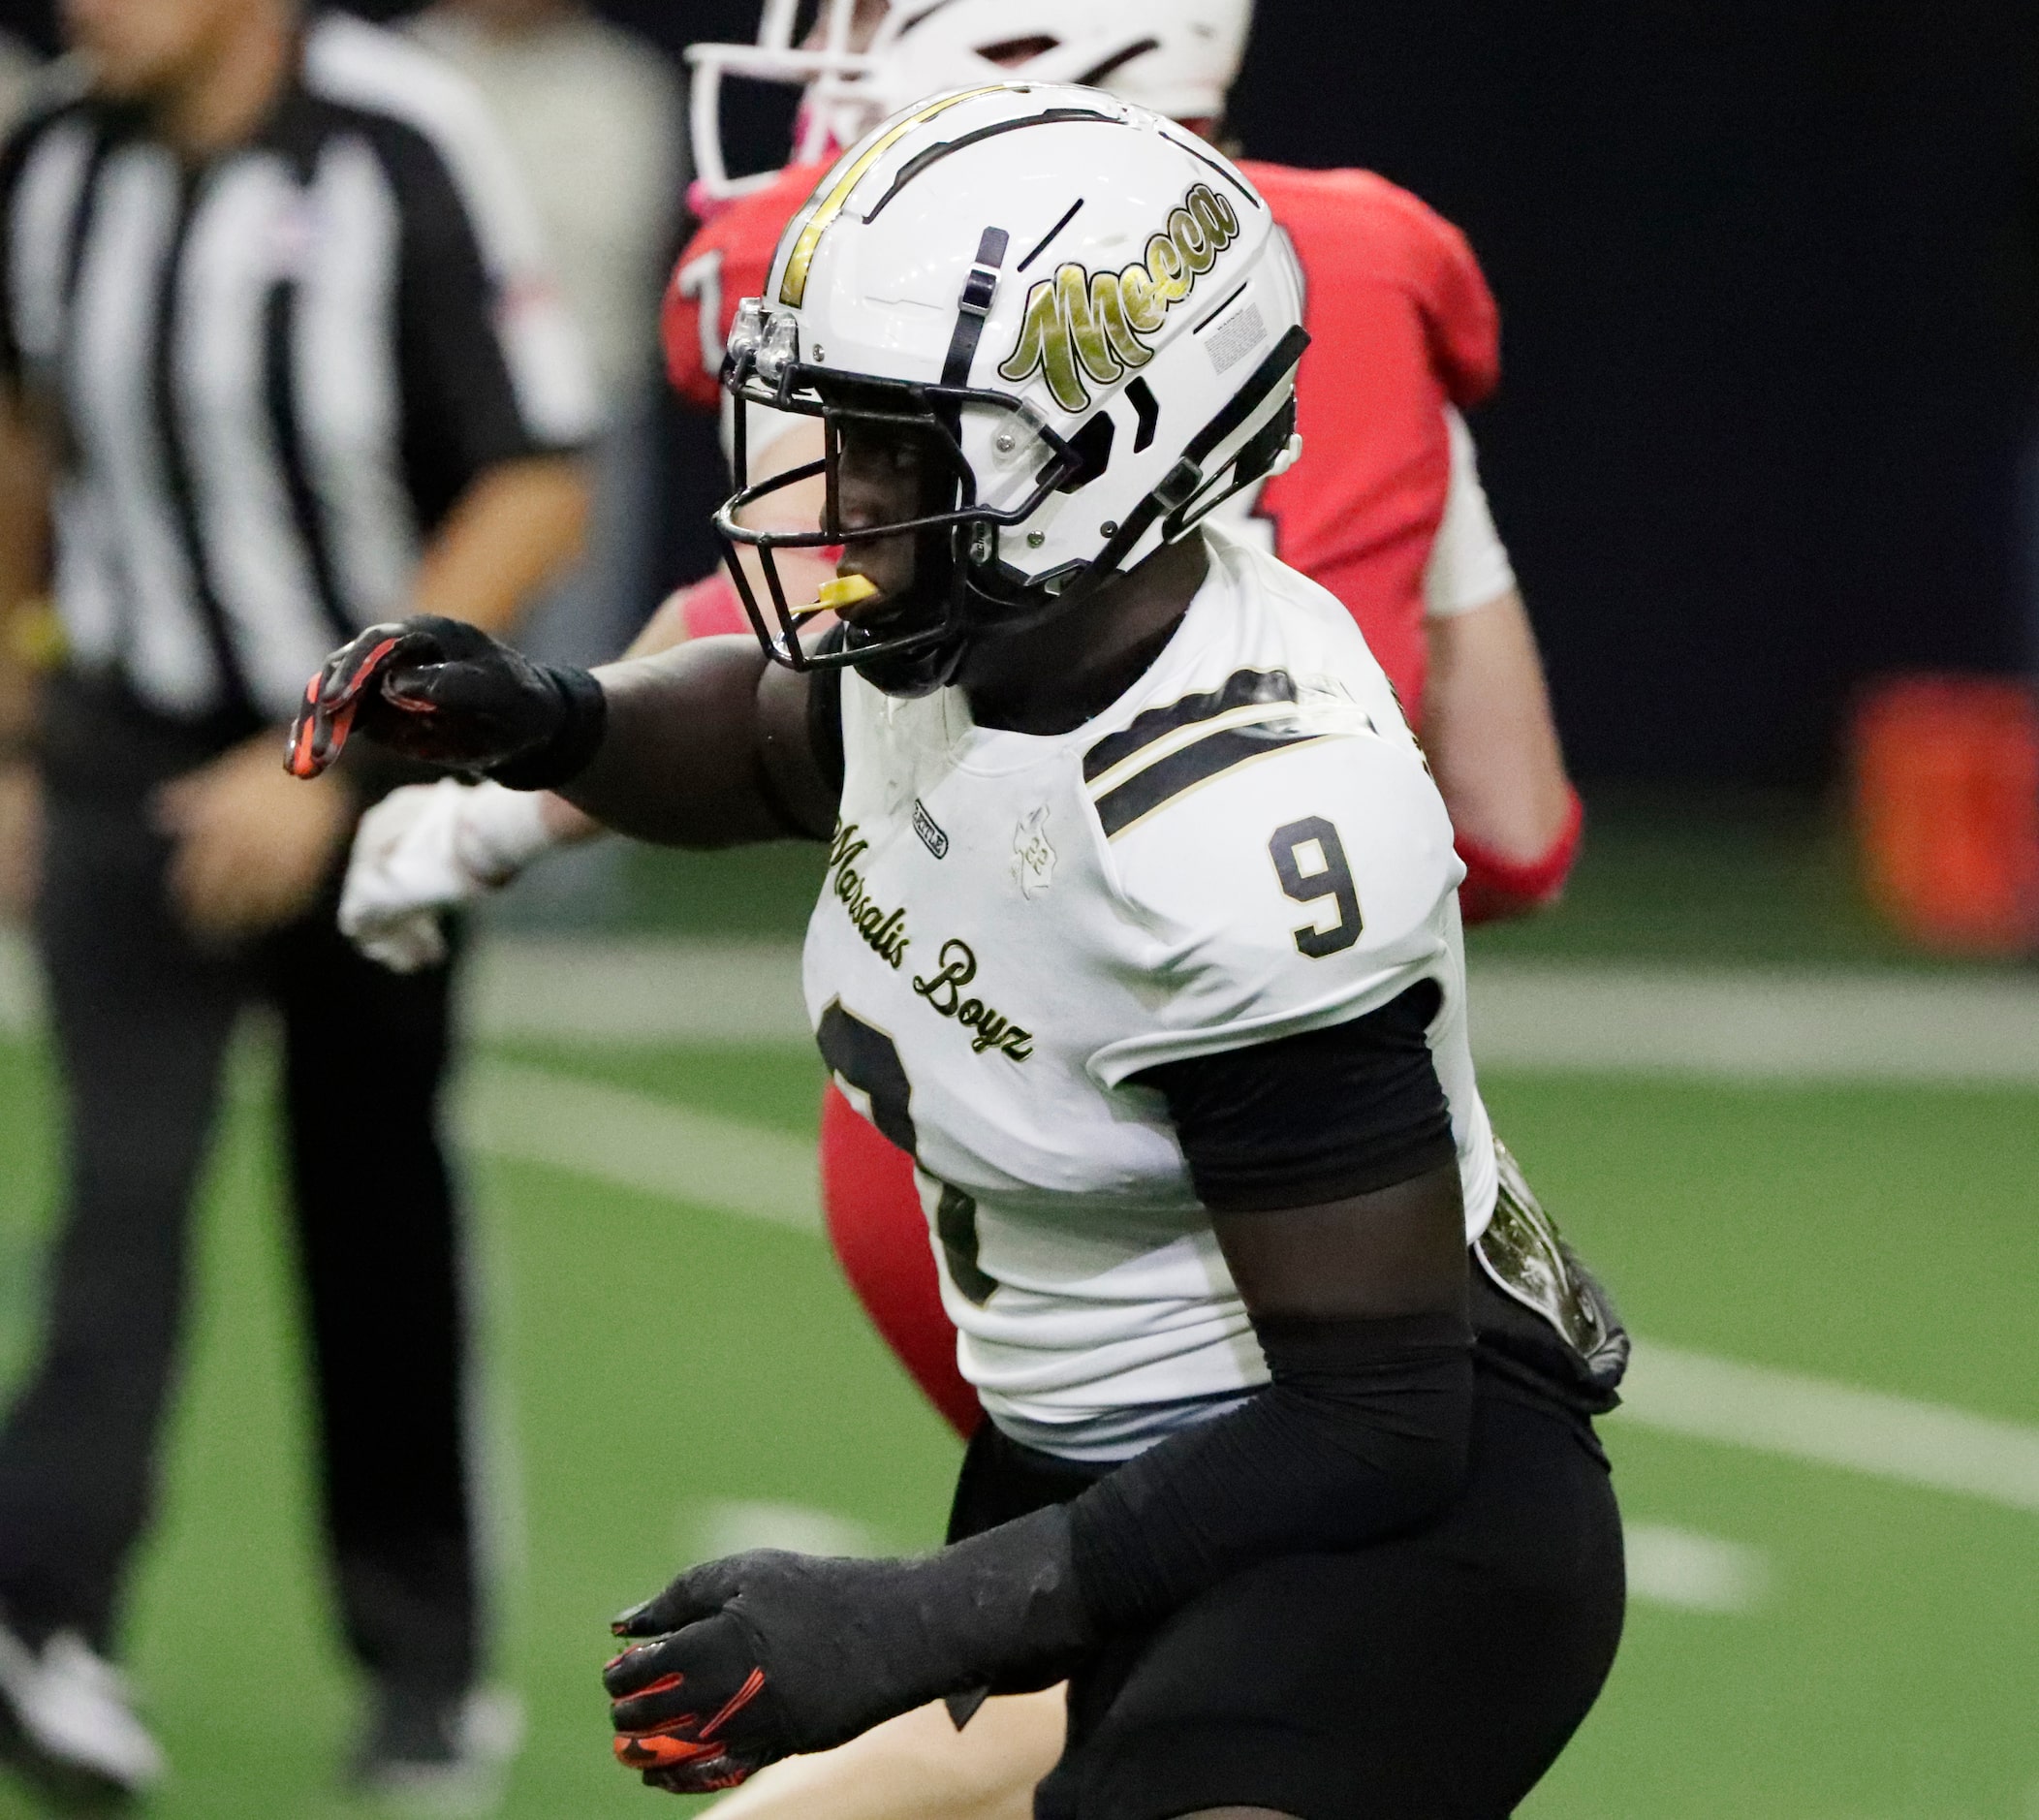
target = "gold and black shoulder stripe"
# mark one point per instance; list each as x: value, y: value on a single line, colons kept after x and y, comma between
x: 1167, y: 751
x: 1244, y: 688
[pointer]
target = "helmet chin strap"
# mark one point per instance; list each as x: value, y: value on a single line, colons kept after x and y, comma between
x: 994, y: 615
x: 934, y: 596
x: 983, y: 618
x: 909, y: 675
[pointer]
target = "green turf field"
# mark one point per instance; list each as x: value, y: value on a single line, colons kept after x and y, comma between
x: 657, y: 1362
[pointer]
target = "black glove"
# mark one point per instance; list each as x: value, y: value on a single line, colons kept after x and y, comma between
x: 768, y: 1654
x: 446, y: 692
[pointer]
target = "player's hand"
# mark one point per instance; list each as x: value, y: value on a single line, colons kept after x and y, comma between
x: 429, y: 847
x: 762, y: 1662
x: 768, y: 1654
x: 437, y: 690
x: 252, y: 850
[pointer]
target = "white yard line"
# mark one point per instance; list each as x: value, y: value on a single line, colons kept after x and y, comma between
x: 649, y: 1146
x: 677, y: 1153
x: 1932, y: 1445
x: 1683, y: 1568
x: 1763, y: 1026
x: 639, y: 992
x: 1778, y: 1025
x: 736, y: 1525
x: 1548, y: 1018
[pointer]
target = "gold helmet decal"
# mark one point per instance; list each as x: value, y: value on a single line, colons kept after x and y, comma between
x: 827, y: 200
x: 1080, y: 323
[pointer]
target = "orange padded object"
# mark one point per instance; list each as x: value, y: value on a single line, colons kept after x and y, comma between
x: 1946, y: 780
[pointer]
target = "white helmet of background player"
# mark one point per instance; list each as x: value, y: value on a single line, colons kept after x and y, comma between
x: 1087, y: 314
x: 1178, y: 57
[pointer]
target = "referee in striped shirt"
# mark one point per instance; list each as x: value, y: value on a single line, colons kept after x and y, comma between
x: 278, y: 357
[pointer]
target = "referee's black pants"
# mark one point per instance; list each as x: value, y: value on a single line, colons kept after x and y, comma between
x: 141, y: 1020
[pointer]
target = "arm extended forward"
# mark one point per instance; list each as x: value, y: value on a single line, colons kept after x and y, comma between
x: 704, y: 746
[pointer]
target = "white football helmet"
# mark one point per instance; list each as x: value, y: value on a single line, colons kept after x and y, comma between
x: 1085, y: 314
x: 1178, y: 57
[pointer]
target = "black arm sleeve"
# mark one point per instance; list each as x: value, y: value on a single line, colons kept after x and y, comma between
x: 1313, y: 1118
x: 1362, y: 1432
x: 1362, y: 1429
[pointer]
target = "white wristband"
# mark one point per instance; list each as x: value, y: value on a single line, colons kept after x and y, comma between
x: 1470, y: 567
x: 501, y: 831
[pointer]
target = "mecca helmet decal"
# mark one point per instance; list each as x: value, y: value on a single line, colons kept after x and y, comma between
x: 1087, y: 315
x: 1178, y: 57
x: 1080, y: 323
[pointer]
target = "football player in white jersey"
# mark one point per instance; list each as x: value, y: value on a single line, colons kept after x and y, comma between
x: 1455, y: 640
x: 1141, y: 932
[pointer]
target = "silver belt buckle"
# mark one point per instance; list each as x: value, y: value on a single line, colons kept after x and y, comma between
x: 1521, y: 1252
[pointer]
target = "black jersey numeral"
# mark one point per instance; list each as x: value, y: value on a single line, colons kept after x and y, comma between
x: 868, y: 1059
x: 956, y: 1225
x: 1329, y: 877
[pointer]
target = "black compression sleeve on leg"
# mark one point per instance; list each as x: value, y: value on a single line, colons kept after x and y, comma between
x: 1362, y: 1432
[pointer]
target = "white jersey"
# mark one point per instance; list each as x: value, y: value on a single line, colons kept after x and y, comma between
x: 1246, y: 845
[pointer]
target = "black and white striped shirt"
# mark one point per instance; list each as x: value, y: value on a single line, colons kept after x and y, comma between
x: 268, y: 377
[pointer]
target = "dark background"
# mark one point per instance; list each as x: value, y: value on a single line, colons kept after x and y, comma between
x: 1767, y: 276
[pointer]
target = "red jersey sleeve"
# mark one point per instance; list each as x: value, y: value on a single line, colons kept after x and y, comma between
x: 1462, y: 326
x: 712, y: 606
x: 1401, y: 322
x: 726, y: 262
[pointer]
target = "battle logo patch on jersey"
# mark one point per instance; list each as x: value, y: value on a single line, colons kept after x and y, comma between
x: 931, y: 832
x: 1081, y: 321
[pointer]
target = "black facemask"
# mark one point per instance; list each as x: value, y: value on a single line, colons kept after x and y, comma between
x: 917, y: 642
x: 960, y: 592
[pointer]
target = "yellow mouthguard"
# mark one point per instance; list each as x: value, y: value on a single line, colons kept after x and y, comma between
x: 846, y: 590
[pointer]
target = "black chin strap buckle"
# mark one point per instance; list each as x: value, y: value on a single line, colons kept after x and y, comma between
x: 1178, y: 486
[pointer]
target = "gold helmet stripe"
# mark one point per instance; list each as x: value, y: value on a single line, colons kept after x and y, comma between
x: 793, y: 288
